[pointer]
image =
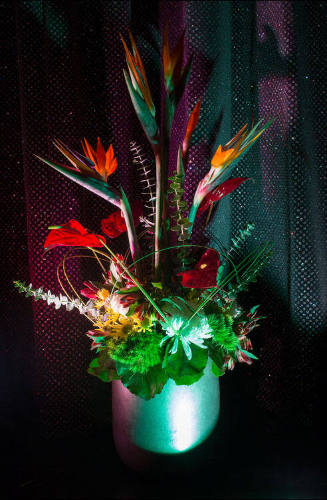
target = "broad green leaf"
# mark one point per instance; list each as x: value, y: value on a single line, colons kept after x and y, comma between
x: 184, y: 371
x: 145, y: 385
x: 216, y: 370
x: 103, y: 368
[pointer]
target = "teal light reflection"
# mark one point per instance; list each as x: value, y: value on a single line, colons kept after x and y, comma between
x: 182, y: 421
x: 178, y: 419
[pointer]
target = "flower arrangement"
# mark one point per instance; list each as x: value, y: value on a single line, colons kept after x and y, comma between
x: 162, y: 312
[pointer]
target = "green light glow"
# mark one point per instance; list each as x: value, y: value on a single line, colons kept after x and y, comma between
x: 178, y: 419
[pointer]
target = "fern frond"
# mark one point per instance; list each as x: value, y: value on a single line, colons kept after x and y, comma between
x: 239, y: 239
x: 252, y: 272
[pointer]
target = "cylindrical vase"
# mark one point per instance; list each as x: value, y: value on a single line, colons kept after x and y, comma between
x: 177, y: 420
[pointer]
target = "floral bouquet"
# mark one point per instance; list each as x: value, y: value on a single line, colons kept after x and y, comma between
x: 167, y: 306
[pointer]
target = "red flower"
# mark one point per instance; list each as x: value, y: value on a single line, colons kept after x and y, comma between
x: 90, y: 291
x: 220, y: 191
x: 73, y: 234
x: 204, y: 274
x: 114, y: 225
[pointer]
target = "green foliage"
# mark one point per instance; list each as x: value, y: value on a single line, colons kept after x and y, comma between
x: 177, y: 202
x: 147, y: 120
x: 139, y: 351
x: 182, y: 370
x: 112, y: 343
x: 28, y: 290
x: 217, y: 370
x: 103, y: 368
x: 222, y: 331
x: 216, y: 354
x: 253, y: 269
x: 239, y: 239
x: 145, y: 385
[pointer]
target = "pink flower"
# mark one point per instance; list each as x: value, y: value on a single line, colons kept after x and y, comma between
x: 243, y: 358
x: 90, y: 291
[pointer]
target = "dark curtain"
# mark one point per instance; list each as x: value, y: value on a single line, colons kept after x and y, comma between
x: 63, y: 78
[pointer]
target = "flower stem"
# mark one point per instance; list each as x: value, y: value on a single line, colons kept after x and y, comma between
x: 158, y: 228
x: 131, y: 233
x: 136, y: 282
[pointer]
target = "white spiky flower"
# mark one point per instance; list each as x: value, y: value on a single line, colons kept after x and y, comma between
x: 186, y: 327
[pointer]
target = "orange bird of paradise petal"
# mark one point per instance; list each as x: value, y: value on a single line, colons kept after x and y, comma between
x: 193, y: 120
x: 105, y: 162
x: 172, y: 61
x: 221, y: 157
x: 226, y: 154
x: 136, y: 67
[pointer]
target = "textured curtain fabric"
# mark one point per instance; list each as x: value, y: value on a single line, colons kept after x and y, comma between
x: 64, y: 79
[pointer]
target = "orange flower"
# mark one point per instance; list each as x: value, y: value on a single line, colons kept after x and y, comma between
x: 105, y: 162
x: 225, y: 155
x: 137, y: 72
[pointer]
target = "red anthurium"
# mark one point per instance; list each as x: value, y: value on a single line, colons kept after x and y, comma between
x: 204, y: 274
x: 114, y: 225
x: 73, y: 234
x: 220, y: 191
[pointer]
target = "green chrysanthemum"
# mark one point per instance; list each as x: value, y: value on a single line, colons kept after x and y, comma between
x: 140, y: 351
x: 112, y: 343
x: 222, y: 331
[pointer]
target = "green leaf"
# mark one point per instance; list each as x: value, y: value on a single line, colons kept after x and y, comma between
x: 132, y: 308
x: 103, y: 367
x: 124, y: 291
x: 249, y: 354
x: 215, y: 353
x: 157, y: 285
x: 148, y: 123
x: 216, y: 370
x: 144, y: 385
x: 254, y: 308
x: 180, y: 165
x: 97, y: 186
x: 184, y: 371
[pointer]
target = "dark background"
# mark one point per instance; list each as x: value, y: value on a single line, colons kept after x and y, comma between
x: 62, y: 75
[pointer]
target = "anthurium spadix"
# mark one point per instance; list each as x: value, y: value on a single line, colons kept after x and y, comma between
x: 224, y: 160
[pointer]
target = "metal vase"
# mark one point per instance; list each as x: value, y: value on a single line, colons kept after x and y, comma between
x: 178, y: 419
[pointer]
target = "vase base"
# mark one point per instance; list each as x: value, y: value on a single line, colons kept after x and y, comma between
x: 145, y: 462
